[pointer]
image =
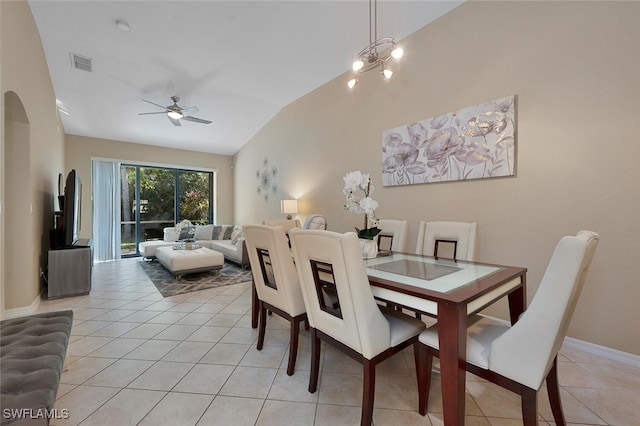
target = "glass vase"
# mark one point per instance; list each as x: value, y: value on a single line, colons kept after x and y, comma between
x: 369, y: 248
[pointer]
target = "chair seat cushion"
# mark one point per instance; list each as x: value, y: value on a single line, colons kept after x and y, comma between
x: 402, y: 327
x: 481, y: 332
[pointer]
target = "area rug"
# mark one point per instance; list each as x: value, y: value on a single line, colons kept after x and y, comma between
x: 168, y: 285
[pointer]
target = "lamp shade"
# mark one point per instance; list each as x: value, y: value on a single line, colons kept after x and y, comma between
x: 289, y: 206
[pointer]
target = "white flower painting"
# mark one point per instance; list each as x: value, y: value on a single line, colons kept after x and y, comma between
x: 472, y: 143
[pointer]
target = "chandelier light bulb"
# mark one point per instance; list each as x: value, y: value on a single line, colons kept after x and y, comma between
x: 387, y: 73
x: 175, y: 115
x: 352, y: 83
x: 357, y: 65
x: 397, y: 52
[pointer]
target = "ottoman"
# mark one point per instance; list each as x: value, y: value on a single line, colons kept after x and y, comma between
x: 181, y: 261
x: 32, y: 354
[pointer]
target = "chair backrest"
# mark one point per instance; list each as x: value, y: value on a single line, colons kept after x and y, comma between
x: 525, y: 352
x: 398, y: 230
x: 315, y: 221
x: 436, y: 238
x: 274, y: 273
x: 286, y: 224
x: 325, y: 258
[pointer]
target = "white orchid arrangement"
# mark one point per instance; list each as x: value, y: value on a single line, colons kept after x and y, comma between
x: 358, y: 181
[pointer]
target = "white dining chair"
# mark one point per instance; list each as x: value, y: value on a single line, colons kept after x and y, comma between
x: 352, y: 322
x: 454, y: 240
x: 397, y: 231
x: 276, y: 282
x: 520, y: 357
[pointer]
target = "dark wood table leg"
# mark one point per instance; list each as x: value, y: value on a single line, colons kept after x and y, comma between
x: 518, y: 300
x: 452, y: 335
x: 254, y: 306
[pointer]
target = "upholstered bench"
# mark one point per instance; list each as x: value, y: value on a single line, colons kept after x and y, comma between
x: 182, y: 261
x: 32, y: 354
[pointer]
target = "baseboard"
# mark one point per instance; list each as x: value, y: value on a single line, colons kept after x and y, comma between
x: 603, y: 351
x: 21, y: 312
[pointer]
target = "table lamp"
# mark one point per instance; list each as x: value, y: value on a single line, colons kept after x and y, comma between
x: 289, y: 207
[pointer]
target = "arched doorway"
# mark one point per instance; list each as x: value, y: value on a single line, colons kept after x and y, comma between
x: 16, y: 194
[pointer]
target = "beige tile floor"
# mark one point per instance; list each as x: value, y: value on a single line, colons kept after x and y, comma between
x: 138, y: 358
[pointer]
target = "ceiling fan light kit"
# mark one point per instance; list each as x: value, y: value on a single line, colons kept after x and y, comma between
x: 175, y: 112
x: 176, y: 115
x: 377, y: 52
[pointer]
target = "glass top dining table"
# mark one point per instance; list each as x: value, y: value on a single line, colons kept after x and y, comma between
x: 450, y: 291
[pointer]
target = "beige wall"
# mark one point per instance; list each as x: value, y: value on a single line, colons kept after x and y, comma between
x: 80, y: 151
x: 32, y: 128
x: 575, y: 68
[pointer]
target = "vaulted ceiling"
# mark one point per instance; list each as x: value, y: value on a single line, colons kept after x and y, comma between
x: 239, y: 62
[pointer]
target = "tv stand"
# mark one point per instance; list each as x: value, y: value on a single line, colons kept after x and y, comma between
x: 69, y: 271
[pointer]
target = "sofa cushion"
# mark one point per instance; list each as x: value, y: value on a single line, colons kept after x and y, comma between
x: 203, y: 232
x: 170, y: 234
x: 226, y: 248
x: 148, y: 248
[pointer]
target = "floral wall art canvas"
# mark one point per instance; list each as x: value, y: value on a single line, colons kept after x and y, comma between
x: 476, y: 142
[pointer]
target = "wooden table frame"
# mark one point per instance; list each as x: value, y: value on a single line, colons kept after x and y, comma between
x: 452, y: 310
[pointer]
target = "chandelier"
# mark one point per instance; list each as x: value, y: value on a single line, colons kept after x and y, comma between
x: 377, y: 52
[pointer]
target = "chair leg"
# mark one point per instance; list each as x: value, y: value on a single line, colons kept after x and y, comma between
x: 424, y: 363
x: 368, y: 392
x: 262, y: 324
x: 529, y: 407
x: 553, y: 389
x: 315, y: 361
x: 293, y: 345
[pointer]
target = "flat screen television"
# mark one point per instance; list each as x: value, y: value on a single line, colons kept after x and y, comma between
x: 71, y: 212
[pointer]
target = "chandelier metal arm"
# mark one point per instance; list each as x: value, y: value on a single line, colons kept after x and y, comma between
x: 378, y: 51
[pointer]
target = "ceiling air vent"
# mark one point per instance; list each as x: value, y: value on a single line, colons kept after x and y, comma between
x: 82, y: 63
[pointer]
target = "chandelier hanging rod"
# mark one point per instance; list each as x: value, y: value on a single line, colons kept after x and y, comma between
x: 377, y: 52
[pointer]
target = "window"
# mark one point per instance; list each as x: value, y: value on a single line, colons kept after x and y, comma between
x: 155, y: 197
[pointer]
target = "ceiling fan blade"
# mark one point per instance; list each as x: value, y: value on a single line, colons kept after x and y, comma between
x: 190, y: 110
x: 153, y: 103
x: 148, y: 113
x: 196, y: 120
x: 174, y: 121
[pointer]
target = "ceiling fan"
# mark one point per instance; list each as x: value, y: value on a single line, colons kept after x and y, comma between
x: 175, y: 112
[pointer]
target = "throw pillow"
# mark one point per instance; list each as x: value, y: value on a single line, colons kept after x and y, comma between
x: 235, y: 233
x: 187, y: 232
x: 203, y: 232
x: 235, y: 236
x: 217, y: 230
x: 227, y: 233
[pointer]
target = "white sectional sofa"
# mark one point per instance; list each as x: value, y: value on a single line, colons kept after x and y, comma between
x: 227, y: 239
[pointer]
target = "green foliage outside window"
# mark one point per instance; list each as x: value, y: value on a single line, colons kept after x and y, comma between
x: 158, y: 200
